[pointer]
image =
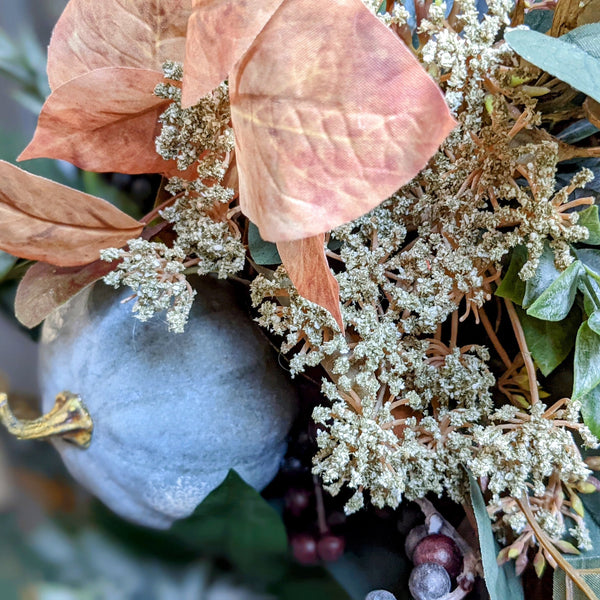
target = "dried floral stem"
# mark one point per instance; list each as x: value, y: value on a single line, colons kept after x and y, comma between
x: 550, y: 549
x: 494, y: 338
x: 516, y: 324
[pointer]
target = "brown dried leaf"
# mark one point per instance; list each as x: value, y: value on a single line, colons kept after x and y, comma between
x: 46, y: 287
x: 591, y: 108
x: 93, y: 34
x: 306, y: 264
x: 219, y: 32
x: 105, y: 120
x: 43, y: 220
x: 332, y: 114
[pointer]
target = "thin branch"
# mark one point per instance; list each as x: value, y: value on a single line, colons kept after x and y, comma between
x: 494, y: 339
x: 550, y: 549
x: 516, y: 324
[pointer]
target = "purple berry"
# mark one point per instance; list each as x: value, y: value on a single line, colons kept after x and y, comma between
x: 441, y: 549
x: 429, y: 581
x: 304, y: 549
x: 380, y: 595
x: 330, y: 547
x: 297, y: 501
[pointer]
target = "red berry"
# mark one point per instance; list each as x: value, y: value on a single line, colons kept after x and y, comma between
x: 440, y: 549
x: 330, y: 547
x: 304, y: 548
x: 297, y: 501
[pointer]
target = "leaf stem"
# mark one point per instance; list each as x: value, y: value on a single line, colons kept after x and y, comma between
x: 544, y: 541
x: 516, y: 324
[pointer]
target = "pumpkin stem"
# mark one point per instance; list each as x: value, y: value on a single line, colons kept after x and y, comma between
x: 68, y: 419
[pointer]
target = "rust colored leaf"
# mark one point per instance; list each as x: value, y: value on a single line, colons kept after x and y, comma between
x: 105, y: 120
x: 219, y: 32
x: 46, y: 287
x: 94, y: 34
x: 332, y: 114
x: 306, y: 264
x: 591, y: 108
x: 43, y: 220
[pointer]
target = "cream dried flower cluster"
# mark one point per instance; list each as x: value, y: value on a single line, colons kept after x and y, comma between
x: 409, y: 414
x: 408, y: 409
x: 207, y: 237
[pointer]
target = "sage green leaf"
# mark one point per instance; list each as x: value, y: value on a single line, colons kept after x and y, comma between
x: 590, y: 258
x: 594, y: 322
x: 545, y: 274
x: 550, y: 341
x: 556, y: 301
x: 512, y: 286
x: 501, y: 581
x: 236, y: 523
x: 589, y: 219
x: 586, y: 372
x: 573, y: 58
x: 7, y: 262
x: 590, y: 410
x: 262, y: 253
x: 539, y: 20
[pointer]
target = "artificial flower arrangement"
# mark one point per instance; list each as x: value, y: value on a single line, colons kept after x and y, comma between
x: 401, y: 188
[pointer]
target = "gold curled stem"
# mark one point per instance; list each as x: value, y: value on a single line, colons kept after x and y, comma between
x: 68, y: 419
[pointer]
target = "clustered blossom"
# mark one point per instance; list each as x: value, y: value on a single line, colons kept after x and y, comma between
x: 408, y: 411
x: 156, y: 273
x: 408, y: 414
x: 207, y: 237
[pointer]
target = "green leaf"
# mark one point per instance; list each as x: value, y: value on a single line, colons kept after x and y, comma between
x: 590, y: 257
x: 586, y: 373
x: 574, y: 57
x: 589, y: 218
x: 594, y: 322
x: 550, y: 341
x: 545, y: 274
x: 590, y: 411
x: 512, y: 286
x: 262, y: 253
x: 555, y: 302
x: 501, y: 581
x: 539, y: 20
x: 236, y: 523
x: 7, y: 262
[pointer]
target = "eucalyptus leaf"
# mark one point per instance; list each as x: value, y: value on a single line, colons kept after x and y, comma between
x: 545, y: 274
x: 590, y: 411
x: 580, y: 130
x: 556, y: 301
x: 594, y: 321
x: 550, y: 341
x: 236, y: 523
x: 589, y: 219
x: 501, y: 581
x: 262, y: 253
x: 586, y: 375
x: 512, y: 286
x: 573, y: 58
x: 539, y: 20
x: 7, y: 262
x: 590, y: 258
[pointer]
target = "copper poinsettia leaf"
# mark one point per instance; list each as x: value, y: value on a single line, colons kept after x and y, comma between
x: 332, y: 114
x: 306, y: 264
x: 94, y: 34
x: 219, y: 32
x: 43, y: 220
x: 46, y: 287
x: 105, y: 120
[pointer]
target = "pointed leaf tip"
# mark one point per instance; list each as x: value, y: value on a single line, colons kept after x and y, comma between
x: 307, y: 267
